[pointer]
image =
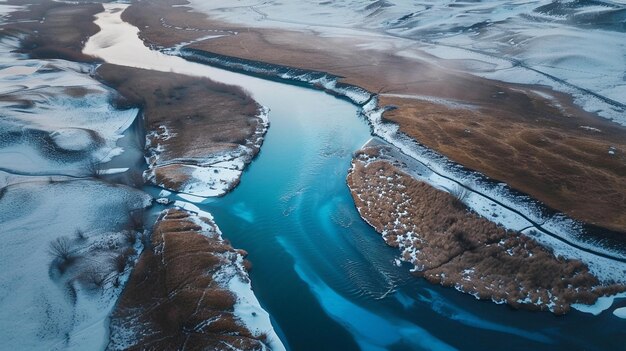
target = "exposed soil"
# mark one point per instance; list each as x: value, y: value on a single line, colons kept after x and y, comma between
x: 54, y: 30
x: 512, y: 134
x: 188, y: 119
x: 172, y: 300
x: 452, y: 246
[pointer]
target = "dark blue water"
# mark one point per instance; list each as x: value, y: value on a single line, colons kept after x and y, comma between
x: 328, y: 279
x: 325, y: 276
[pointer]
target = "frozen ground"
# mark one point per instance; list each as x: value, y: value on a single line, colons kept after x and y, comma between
x: 207, y: 176
x: 53, y: 302
x: 577, y: 46
x: 211, y: 175
x: 68, y: 243
x: 56, y: 118
x: 446, y: 175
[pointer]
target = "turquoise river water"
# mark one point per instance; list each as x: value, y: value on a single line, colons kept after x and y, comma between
x: 326, y: 277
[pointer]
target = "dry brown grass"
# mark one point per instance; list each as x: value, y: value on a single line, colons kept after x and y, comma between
x: 207, y: 117
x: 171, y: 292
x: 454, y: 247
x: 150, y: 13
x: 56, y: 30
x: 515, y: 136
x: 538, y: 151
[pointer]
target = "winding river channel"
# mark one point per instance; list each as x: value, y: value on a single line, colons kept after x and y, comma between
x: 325, y: 276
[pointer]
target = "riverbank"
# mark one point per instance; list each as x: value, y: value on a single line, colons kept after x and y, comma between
x: 193, y: 148
x: 448, y: 244
x: 189, y: 289
x: 562, y: 156
x: 64, y: 132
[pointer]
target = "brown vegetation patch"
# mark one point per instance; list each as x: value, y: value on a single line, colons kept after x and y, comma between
x: 172, y: 300
x: 537, y: 151
x: 452, y: 246
x: 203, y: 117
x: 189, y: 120
x: 56, y: 30
x: 173, y: 176
x: 514, y: 135
x: 167, y: 27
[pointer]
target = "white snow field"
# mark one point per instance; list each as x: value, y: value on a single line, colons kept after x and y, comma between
x: 577, y: 47
x: 61, y: 300
x: 56, y: 118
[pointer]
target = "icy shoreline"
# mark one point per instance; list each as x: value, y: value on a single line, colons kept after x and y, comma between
x: 450, y: 246
x: 213, y: 174
x: 532, y: 42
x: 319, y: 80
x: 496, y: 201
x: 247, y: 308
x: 206, y: 285
x: 493, y: 200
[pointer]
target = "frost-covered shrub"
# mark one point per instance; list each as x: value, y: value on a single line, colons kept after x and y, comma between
x: 460, y: 194
x: 93, y: 169
x: 92, y: 277
x: 63, y: 254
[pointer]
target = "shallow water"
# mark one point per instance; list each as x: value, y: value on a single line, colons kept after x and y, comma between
x: 325, y: 276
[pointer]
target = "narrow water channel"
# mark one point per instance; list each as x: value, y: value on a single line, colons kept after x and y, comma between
x: 327, y: 279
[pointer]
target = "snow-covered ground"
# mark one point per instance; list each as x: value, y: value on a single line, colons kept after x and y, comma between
x: 53, y: 302
x: 212, y: 175
x: 56, y: 118
x: 68, y: 243
x: 495, y: 201
x: 235, y: 279
x: 577, y: 47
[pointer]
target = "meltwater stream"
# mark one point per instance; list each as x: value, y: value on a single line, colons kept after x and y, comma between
x: 324, y: 275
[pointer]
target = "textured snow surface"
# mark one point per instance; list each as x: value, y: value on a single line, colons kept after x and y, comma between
x: 578, y: 47
x: 55, y: 117
x: 50, y: 309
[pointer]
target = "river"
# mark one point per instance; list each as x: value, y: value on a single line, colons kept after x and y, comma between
x: 325, y: 276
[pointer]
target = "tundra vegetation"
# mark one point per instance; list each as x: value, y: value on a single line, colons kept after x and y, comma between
x: 450, y: 245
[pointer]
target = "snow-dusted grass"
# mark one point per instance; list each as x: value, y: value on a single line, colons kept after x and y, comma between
x: 207, y: 175
x: 234, y: 278
x: 213, y: 174
x: 498, y: 203
x: 59, y: 302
